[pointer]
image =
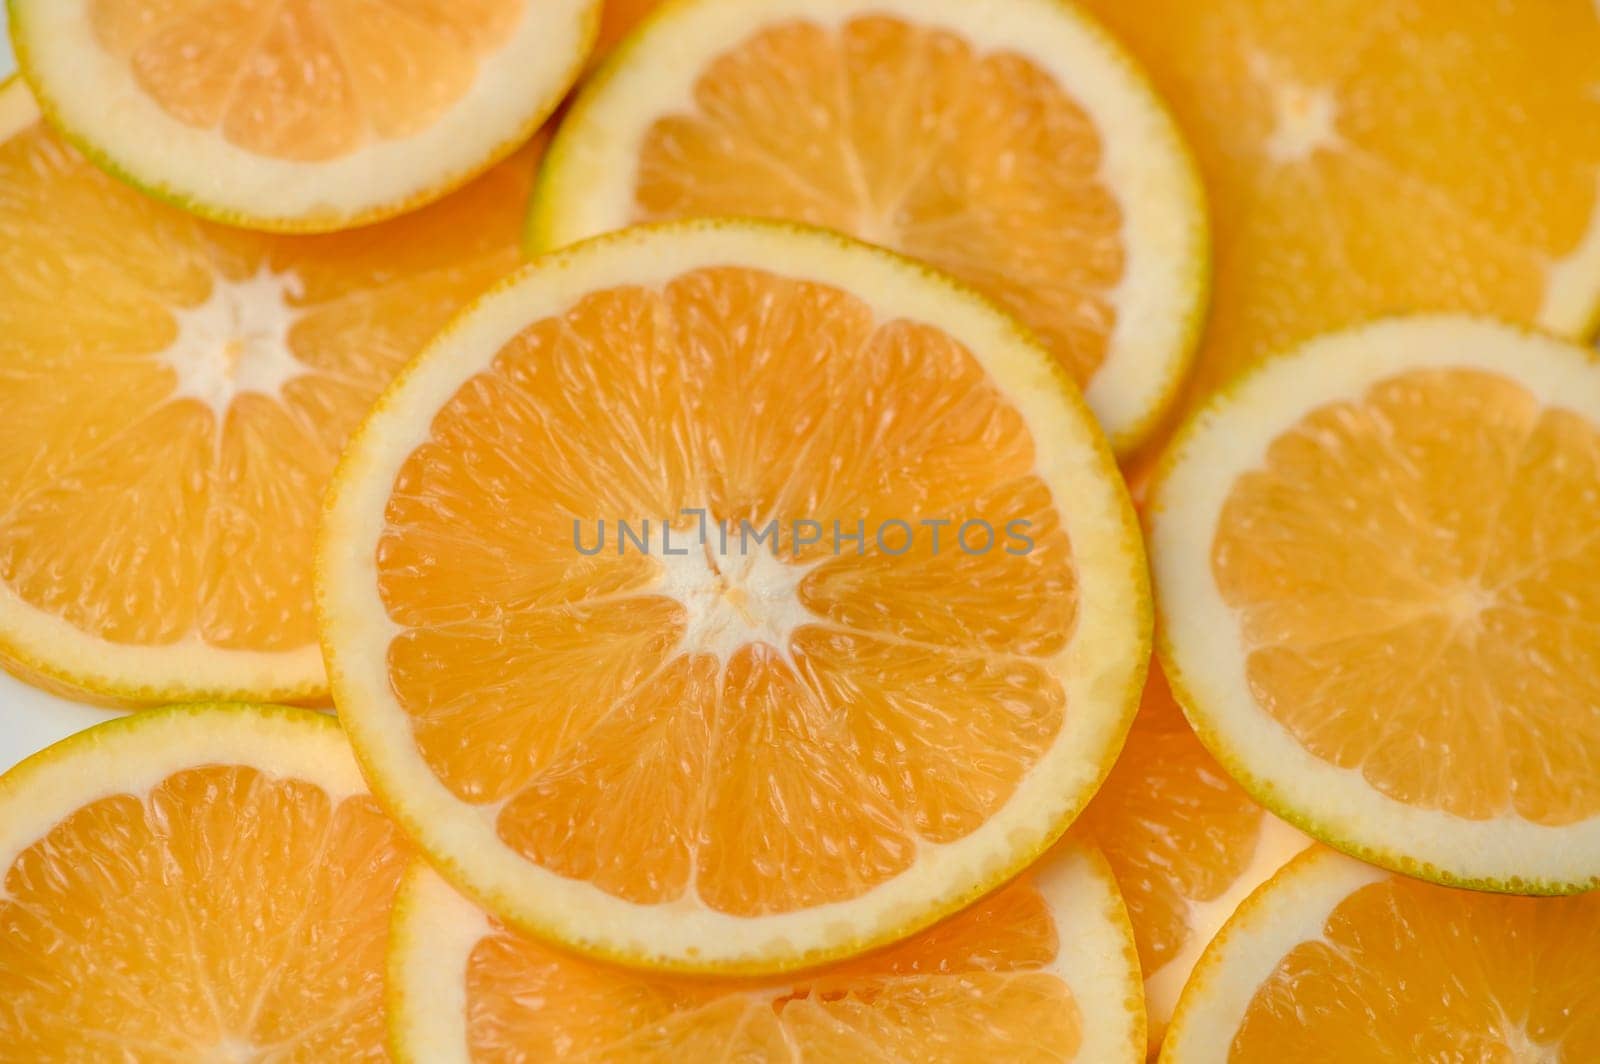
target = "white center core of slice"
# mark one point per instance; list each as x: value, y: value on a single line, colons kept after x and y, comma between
x: 733, y: 597
x: 1303, y: 122
x: 237, y: 341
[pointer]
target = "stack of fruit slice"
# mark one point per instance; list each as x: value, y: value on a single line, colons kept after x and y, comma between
x: 730, y: 618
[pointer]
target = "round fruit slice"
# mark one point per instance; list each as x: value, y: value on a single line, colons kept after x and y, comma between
x: 1335, y: 960
x: 1364, y: 157
x: 206, y: 882
x: 174, y: 395
x: 300, y: 115
x: 1185, y: 841
x: 1377, y: 570
x: 1016, y: 147
x: 732, y: 596
x: 1043, y: 970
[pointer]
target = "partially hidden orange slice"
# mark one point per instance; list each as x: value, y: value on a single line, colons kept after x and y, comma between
x: 1185, y: 842
x: 1375, y: 157
x: 1335, y: 960
x: 1016, y: 148
x: 1041, y: 972
x: 300, y: 115
x: 617, y: 20
x: 1379, y: 584
x: 198, y: 883
x: 173, y: 396
x: 788, y: 723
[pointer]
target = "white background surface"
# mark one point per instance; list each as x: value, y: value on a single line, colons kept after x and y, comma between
x: 7, y: 64
x: 31, y: 720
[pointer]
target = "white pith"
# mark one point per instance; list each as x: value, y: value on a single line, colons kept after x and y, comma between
x: 1276, y: 844
x: 236, y: 341
x: 95, y: 94
x: 1289, y: 909
x: 436, y: 929
x: 187, y: 668
x: 1305, y: 122
x: 1095, y: 668
x: 592, y: 169
x: 1204, y: 643
x: 733, y: 596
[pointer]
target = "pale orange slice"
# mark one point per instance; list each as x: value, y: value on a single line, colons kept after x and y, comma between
x: 199, y: 883
x: 1185, y: 841
x: 300, y: 115
x: 1377, y: 567
x: 1042, y: 972
x: 1373, y: 157
x: 174, y: 395
x: 1016, y: 148
x: 748, y: 753
x: 1333, y: 960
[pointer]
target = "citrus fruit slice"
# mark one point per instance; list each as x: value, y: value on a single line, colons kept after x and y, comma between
x: 1371, y: 157
x: 1334, y: 960
x: 204, y: 882
x: 1044, y: 970
x: 1185, y: 842
x: 1376, y: 567
x: 776, y: 720
x: 173, y: 396
x: 1017, y: 149
x: 300, y: 115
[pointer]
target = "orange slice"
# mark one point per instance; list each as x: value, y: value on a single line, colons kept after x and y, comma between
x: 300, y: 115
x: 175, y: 394
x: 199, y: 883
x: 1371, y: 157
x: 1042, y: 971
x: 1185, y: 841
x: 737, y: 743
x: 1019, y: 150
x: 1377, y: 568
x: 1333, y: 960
